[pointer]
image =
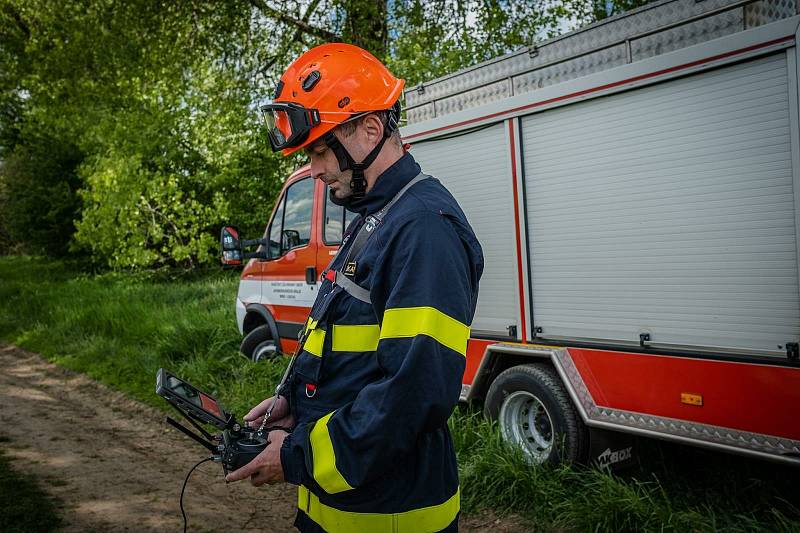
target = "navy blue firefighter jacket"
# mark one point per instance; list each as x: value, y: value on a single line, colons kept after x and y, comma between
x: 376, y: 382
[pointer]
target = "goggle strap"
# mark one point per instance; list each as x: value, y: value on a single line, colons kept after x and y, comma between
x: 342, y: 156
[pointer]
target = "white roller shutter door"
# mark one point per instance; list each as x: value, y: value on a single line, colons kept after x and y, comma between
x: 476, y: 169
x: 668, y: 210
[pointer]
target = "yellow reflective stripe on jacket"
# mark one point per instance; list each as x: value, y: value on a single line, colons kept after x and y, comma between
x: 359, y: 338
x: 311, y: 323
x: 314, y: 342
x: 324, y: 459
x: 426, y: 519
x: 413, y: 321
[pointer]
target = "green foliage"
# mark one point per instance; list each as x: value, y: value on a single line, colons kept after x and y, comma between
x: 38, y: 197
x: 119, y: 329
x: 129, y: 130
x: 364, y: 23
x: 433, y: 38
x: 156, y: 98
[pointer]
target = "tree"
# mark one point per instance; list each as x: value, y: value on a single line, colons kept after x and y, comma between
x: 158, y: 98
x: 436, y: 37
x: 142, y: 115
x: 39, y: 196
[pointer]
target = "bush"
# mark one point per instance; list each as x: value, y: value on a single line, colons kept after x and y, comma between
x: 38, y: 197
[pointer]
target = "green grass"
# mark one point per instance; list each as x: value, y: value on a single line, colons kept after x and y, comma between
x: 671, y: 488
x: 26, y: 508
x: 120, y: 329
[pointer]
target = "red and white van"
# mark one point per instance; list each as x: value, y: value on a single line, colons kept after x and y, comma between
x: 635, y: 186
x: 276, y: 294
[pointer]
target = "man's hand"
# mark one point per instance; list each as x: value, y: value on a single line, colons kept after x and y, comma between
x: 280, y: 416
x: 266, y: 467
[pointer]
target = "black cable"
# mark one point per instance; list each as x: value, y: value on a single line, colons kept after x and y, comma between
x: 185, y: 481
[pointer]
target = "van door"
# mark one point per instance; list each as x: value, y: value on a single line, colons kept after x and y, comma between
x: 292, y: 251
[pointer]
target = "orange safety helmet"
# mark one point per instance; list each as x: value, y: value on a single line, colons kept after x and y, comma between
x: 326, y: 86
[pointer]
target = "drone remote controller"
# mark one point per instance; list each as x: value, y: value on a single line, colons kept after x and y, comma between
x: 236, y: 446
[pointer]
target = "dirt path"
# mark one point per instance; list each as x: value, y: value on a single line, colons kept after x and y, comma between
x: 114, y: 462
x: 117, y: 466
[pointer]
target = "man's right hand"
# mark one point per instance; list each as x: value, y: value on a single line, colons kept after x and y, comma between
x: 280, y: 417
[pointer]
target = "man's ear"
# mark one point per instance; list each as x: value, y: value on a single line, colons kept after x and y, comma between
x: 373, y: 127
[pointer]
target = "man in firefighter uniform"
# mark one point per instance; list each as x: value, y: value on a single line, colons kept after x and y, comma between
x: 384, y: 349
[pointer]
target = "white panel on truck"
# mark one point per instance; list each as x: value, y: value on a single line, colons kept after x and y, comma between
x: 476, y: 169
x: 668, y: 210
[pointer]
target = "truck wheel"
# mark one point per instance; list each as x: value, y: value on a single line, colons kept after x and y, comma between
x: 259, y: 345
x: 534, y: 412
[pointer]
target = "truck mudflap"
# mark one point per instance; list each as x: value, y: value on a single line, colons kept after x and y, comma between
x: 611, y: 449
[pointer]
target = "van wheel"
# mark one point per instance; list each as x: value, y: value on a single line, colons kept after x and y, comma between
x: 259, y: 345
x: 535, y: 413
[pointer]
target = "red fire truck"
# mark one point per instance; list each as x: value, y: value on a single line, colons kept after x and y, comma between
x: 635, y: 186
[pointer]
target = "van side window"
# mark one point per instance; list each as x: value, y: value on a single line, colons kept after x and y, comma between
x: 334, y: 218
x: 348, y: 218
x: 337, y: 219
x: 275, y: 231
x: 291, y: 226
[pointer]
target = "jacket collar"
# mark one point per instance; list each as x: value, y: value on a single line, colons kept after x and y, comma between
x: 386, y: 186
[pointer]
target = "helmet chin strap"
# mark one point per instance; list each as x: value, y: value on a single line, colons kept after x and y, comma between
x: 346, y: 162
x: 357, y: 183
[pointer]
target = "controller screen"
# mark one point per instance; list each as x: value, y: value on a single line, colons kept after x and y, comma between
x: 193, y: 395
x: 210, y: 404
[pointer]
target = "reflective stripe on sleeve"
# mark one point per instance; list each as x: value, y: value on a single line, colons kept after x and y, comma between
x: 413, y: 321
x: 314, y: 342
x: 360, y: 338
x: 324, y: 459
x: 426, y: 519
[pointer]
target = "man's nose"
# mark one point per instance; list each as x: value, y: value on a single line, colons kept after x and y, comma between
x: 317, y: 169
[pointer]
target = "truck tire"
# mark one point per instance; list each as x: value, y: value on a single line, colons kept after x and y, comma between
x: 259, y: 345
x: 534, y: 412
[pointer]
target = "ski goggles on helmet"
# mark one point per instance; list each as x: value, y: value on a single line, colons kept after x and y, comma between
x: 288, y: 124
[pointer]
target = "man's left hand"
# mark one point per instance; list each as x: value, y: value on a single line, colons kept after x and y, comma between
x: 266, y: 467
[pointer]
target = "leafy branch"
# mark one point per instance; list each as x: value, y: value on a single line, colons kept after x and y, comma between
x: 301, y: 24
x: 296, y: 37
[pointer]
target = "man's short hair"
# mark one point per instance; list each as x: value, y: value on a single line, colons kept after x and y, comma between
x: 349, y: 127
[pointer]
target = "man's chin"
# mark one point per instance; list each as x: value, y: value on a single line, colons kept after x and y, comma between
x: 340, y: 194
x: 339, y: 197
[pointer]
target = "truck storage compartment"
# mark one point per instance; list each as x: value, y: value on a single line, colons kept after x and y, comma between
x: 476, y: 168
x: 667, y: 211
